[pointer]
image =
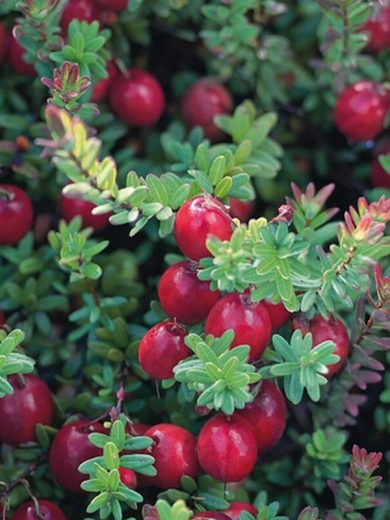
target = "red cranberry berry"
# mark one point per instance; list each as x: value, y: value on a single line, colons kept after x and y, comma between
x: 29, y: 404
x: 267, y: 415
x: 198, y: 219
x: 278, y: 314
x: 378, y: 29
x: 82, y: 10
x: 216, y: 515
x: 379, y: 177
x: 174, y: 451
x: 128, y: 477
x: 47, y: 511
x: 3, y: 42
x: 16, y: 59
x: 2, y: 318
x: 183, y: 296
x: 73, y: 207
x: 361, y: 110
x: 241, y: 209
x: 16, y: 214
x: 227, y: 449
x: 70, y: 448
x: 100, y: 90
x: 250, y: 322
x: 137, y: 429
x: 114, y: 5
x: 137, y: 98
x: 328, y: 330
x: 236, y: 508
x: 162, y: 348
x: 202, y: 102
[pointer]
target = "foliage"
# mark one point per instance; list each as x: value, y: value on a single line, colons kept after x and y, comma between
x: 12, y: 362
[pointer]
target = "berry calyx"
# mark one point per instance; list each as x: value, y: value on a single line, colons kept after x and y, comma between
x: 379, y: 177
x: 183, y: 296
x: 162, y: 348
x: 128, y: 477
x: 216, y: 515
x: 236, y: 508
x: 71, y: 207
x: 31, y: 403
x: 16, y: 214
x: 100, y: 90
x: 114, y: 5
x: 16, y: 59
x: 198, y: 219
x: 249, y: 320
x: 174, y: 451
x: 137, y: 98
x: 278, y: 314
x: 202, y: 102
x: 227, y: 449
x: 361, y: 110
x: 82, y: 10
x: 46, y: 510
x: 69, y: 449
x: 267, y: 415
x: 241, y: 209
x: 378, y: 29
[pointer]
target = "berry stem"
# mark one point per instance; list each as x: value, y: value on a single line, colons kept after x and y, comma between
x: 22, y: 478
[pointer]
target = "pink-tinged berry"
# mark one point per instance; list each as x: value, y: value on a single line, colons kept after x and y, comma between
x: 202, y: 102
x: 183, y: 296
x: 249, y: 320
x: 227, y: 449
x: 82, y: 10
x: 197, y: 220
x: 100, y: 90
x: 3, y: 42
x: 241, y: 209
x: 137, y: 98
x: 17, y: 61
x: 278, y: 314
x: 16, y: 214
x: 71, y: 207
x: 162, y: 348
x: 128, y: 477
x: 267, y: 415
x: 379, y: 177
x: 236, y: 508
x: 47, y: 511
x: 114, y: 5
x: 361, y: 110
x: 378, y: 29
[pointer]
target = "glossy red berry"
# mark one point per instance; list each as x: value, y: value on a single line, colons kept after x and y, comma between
x: 278, y: 314
x: 100, y: 90
x: 137, y: 98
x: 162, y: 348
x: 250, y: 322
x: 82, y: 10
x: 361, y: 110
x: 241, y: 209
x: 236, y: 508
x: 77, y: 207
x: 267, y: 415
x: 17, y: 60
x: 198, y: 219
x: 379, y: 177
x: 183, y: 296
x: 174, y: 451
x: 114, y: 5
x: 202, y: 102
x: 16, y: 214
x: 30, y: 403
x: 47, y: 511
x: 216, y: 515
x: 378, y: 29
x: 227, y: 449
x: 69, y: 449
x: 128, y: 477
x: 3, y: 42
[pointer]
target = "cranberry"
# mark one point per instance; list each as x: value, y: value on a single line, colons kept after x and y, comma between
x: 2, y: 318
x: 267, y: 415
x: 211, y: 514
x: 30, y: 403
x: 241, y: 209
x: 202, y: 102
x: 227, y: 448
x: 328, y: 330
x: 361, y: 110
x: 82, y: 10
x: 198, y: 219
x: 16, y: 214
x: 236, y: 508
x: 183, y: 296
x: 70, y: 448
x: 128, y: 477
x: 16, y: 59
x: 100, y: 90
x: 250, y: 322
x: 162, y: 348
x: 378, y: 29
x: 48, y: 511
x: 3, y: 42
x: 137, y: 98
x: 278, y: 314
x: 379, y: 177
x: 137, y: 429
x: 114, y: 5
x: 72, y: 207
x: 174, y: 451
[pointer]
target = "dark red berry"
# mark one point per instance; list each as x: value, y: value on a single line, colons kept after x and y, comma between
x: 267, y: 415
x: 198, y: 219
x: 227, y: 449
x: 241, y: 209
x: 69, y: 449
x: 128, y: 477
x: 82, y: 10
x: 137, y: 98
x: 174, y: 451
x: 77, y: 207
x: 30, y: 403
x: 114, y: 5
x: 3, y: 42
x: 236, y: 508
x: 2, y: 318
x: 137, y: 429
x: 379, y: 177
x: 361, y: 110
x: 250, y: 322
x: 328, y: 330
x: 162, y: 348
x: 47, y: 511
x: 278, y: 314
x: 216, y: 515
x: 16, y: 214
x: 202, y: 102
x: 183, y: 296
x: 100, y: 90
x: 378, y: 29
x: 16, y: 59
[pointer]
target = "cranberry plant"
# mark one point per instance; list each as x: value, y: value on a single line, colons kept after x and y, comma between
x: 194, y: 274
